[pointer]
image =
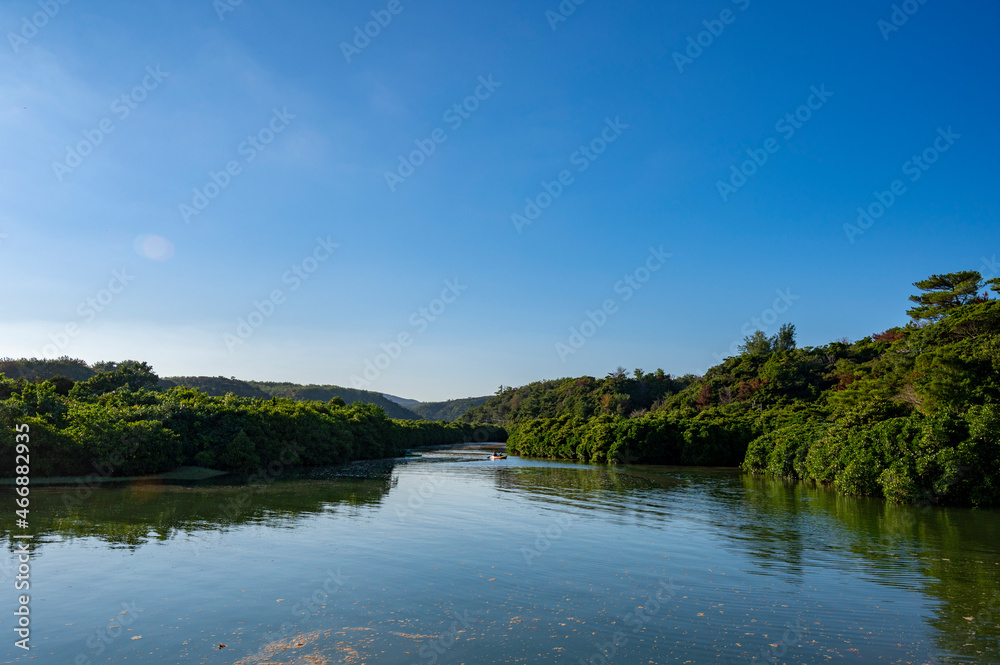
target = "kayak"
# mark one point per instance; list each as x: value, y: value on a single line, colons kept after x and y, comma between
x: 494, y: 457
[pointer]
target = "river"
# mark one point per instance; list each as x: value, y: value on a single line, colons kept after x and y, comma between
x: 452, y: 558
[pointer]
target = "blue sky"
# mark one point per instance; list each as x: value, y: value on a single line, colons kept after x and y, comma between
x: 162, y: 95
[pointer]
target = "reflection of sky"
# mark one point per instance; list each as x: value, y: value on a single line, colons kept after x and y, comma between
x: 522, y: 559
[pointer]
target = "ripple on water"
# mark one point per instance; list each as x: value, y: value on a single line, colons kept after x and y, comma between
x: 517, y: 561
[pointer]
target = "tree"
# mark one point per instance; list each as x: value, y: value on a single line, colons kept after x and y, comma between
x: 994, y: 284
x: 785, y: 339
x: 130, y: 374
x: 240, y: 454
x: 943, y: 293
x: 704, y: 397
x: 756, y: 344
x: 62, y: 384
x: 759, y: 344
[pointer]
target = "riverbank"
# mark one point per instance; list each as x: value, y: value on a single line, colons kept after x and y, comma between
x: 118, y: 426
x: 184, y: 474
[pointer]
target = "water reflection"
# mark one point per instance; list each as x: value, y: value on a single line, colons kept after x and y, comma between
x: 950, y: 554
x: 132, y: 514
x: 800, y: 534
x: 754, y: 555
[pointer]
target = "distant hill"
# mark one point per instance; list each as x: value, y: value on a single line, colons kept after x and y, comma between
x: 586, y: 397
x: 449, y: 411
x: 35, y: 369
x: 402, y: 400
x: 401, y: 408
x: 220, y: 385
x: 216, y: 386
x: 326, y: 393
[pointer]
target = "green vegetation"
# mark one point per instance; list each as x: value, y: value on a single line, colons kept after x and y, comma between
x: 449, y: 411
x: 943, y: 293
x: 39, y: 370
x: 35, y: 369
x: 221, y: 386
x: 138, y: 513
x: 122, y: 423
x: 911, y: 414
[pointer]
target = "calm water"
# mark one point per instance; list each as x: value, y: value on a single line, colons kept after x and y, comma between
x: 451, y: 558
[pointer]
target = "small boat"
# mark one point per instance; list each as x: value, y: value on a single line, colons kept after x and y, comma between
x: 496, y: 456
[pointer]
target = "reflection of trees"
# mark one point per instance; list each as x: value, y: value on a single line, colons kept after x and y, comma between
x: 774, y: 525
x: 135, y: 513
x: 787, y: 527
x: 563, y: 480
x: 610, y: 490
x: 953, y: 549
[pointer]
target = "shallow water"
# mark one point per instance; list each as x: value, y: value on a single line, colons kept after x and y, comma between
x: 451, y: 558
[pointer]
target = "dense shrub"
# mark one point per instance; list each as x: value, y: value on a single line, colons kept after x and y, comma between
x: 115, y: 426
x: 645, y: 440
x: 911, y: 414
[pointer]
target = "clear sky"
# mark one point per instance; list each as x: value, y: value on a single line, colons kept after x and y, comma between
x: 166, y: 167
